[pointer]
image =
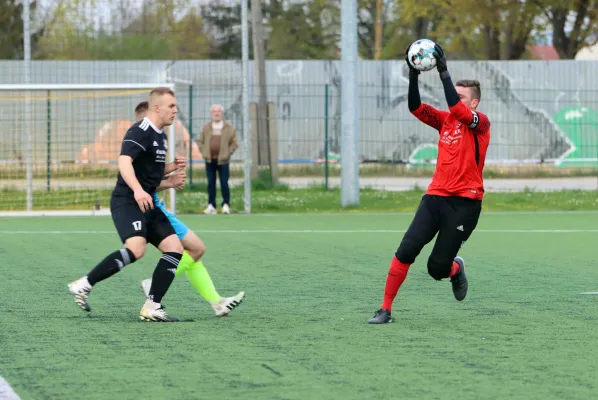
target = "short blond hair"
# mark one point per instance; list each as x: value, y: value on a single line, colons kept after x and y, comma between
x: 161, y: 91
x: 216, y: 106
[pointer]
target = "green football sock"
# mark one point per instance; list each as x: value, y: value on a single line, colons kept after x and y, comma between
x: 186, y: 262
x: 200, y: 279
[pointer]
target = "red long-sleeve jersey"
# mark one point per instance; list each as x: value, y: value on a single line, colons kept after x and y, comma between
x: 464, y: 139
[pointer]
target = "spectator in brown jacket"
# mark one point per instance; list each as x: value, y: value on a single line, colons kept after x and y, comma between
x: 217, y: 143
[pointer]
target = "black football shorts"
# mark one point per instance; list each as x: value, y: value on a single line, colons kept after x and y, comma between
x: 152, y: 225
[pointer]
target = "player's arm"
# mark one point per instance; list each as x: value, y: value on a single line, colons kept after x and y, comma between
x: 169, y: 168
x: 424, y: 112
x: 163, y: 185
x: 134, y: 144
x: 477, y: 122
x: 179, y: 162
x: 125, y: 167
x: 174, y: 181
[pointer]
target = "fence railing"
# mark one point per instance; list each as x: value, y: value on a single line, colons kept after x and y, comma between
x: 544, y: 118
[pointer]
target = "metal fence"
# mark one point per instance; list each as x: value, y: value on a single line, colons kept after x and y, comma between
x: 542, y: 113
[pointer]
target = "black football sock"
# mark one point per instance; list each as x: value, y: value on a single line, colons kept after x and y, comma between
x: 163, y: 275
x: 110, y: 265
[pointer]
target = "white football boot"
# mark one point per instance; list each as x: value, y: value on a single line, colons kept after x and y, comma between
x: 80, y: 289
x: 155, y: 312
x: 225, y: 209
x: 226, y: 304
x: 221, y: 308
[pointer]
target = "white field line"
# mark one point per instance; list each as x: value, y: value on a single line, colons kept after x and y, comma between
x: 106, y: 212
x: 6, y: 392
x: 292, y: 231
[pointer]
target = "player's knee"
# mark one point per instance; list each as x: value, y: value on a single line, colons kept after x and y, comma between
x: 136, y: 245
x: 439, y: 269
x: 171, y: 245
x: 177, y: 248
x: 407, y: 251
x: 196, y: 249
x: 137, y: 249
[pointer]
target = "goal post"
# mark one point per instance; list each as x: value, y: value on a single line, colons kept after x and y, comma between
x: 59, y: 145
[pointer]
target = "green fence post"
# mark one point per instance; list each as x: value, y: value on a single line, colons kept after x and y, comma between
x: 326, y: 136
x: 48, y: 138
x: 191, y: 137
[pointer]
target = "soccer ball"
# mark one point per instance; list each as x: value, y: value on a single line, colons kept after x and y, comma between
x: 420, y: 55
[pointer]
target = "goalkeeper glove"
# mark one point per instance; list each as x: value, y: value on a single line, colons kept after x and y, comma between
x: 412, y: 71
x: 440, y: 58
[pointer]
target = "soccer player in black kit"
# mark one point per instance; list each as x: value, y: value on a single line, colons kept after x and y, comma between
x: 142, y: 166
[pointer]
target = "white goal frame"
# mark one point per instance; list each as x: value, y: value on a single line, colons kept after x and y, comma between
x: 28, y: 88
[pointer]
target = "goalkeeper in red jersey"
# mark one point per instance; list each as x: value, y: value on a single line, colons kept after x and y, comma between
x: 453, y: 202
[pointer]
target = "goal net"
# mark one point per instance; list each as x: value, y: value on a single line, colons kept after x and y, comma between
x: 59, y: 146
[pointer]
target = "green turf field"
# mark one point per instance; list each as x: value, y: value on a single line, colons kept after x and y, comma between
x: 524, y: 332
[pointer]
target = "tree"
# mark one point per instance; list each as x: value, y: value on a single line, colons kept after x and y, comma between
x: 366, y: 26
x: 189, y: 38
x: 154, y: 32
x: 574, y: 24
x: 223, y: 24
x: 166, y: 36
x: 406, y: 22
x: 68, y: 32
x: 499, y: 29
x: 488, y: 29
x: 518, y: 28
x: 302, y: 33
x: 11, y: 29
x: 295, y: 30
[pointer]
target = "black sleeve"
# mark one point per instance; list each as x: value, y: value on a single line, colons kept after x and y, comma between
x: 452, y: 97
x: 413, y: 99
x: 134, y: 143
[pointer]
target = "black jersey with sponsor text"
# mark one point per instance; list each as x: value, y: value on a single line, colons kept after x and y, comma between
x: 147, y: 146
